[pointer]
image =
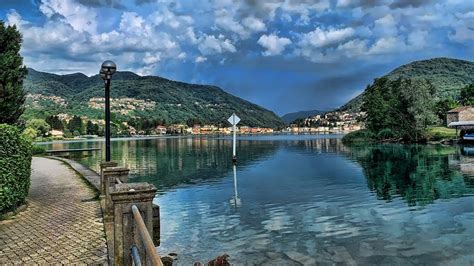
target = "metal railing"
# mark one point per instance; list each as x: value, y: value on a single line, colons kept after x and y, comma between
x: 147, y: 241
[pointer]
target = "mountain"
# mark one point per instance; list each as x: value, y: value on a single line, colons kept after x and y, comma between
x: 140, y: 96
x: 290, y: 117
x: 447, y: 75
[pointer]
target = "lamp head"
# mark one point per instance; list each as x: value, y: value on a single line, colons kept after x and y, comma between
x: 107, y: 69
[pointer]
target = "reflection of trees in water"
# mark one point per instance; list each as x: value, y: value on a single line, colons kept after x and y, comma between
x: 420, y: 174
x: 323, y: 145
x: 169, y: 162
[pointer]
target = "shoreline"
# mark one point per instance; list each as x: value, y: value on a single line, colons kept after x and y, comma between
x: 102, y: 139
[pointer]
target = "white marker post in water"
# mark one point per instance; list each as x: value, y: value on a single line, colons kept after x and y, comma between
x: 234, y: 120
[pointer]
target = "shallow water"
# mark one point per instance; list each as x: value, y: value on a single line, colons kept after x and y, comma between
x: 305, y: 199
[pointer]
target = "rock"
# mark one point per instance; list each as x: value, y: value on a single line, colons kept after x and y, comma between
x: 365, y: 250
x: 273, y: 255
x: 167, y: 261
x: 220, y: 261
x: 300, y: 257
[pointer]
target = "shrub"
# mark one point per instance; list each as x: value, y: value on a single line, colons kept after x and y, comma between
x: 15, y: 168
x: 386, y: 133
x: 36, y: 149
x: 359, y: 136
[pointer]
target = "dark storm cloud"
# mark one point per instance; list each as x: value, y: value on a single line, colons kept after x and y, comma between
x: 103, y: 3
x: 141, y: 2
x: 409, y: 3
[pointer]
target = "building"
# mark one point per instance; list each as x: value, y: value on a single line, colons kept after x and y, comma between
x: 56, y: 134
x: 463, y: 113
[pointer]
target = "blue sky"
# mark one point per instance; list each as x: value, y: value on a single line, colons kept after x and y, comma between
x: 286, y: 55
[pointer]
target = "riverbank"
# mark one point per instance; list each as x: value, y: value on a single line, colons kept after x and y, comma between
x: 62, y: 224
x: 433, y: 135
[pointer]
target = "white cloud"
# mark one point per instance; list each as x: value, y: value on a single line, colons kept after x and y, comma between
x: 321, y: 38
x: 151, y: 58
x: 13, y: 18
x: 273, y: 44
x: 254, y: 24
x: 81, y: 18
x: 225, y: 20
x: 462, y: 34
x: 386, y: 46
x: 353, y: 48
x: 182, y: 55
x: 200, y: 59
x: 212, y: 45
x: 385, y: 26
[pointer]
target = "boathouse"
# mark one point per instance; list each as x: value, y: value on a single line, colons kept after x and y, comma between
x: 461, y: 118
x: 460, y: 114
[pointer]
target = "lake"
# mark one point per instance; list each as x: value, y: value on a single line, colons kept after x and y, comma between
x: 307, y: 199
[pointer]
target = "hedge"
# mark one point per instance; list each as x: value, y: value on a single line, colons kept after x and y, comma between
x: 15, y: 168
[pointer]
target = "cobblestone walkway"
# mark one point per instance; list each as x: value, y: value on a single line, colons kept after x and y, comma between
x: 61, y: 224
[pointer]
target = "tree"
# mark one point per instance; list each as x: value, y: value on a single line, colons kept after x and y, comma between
x: 39, y: 125
x: 12, y: 73
x: 92, y: 129
x: 54, y: 122
x: 443, y: 106
x: 404, y: 106
x: 75, y: 125
x: 467, y: 95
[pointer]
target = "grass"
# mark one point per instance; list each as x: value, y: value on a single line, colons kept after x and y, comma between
x: 440, y: 133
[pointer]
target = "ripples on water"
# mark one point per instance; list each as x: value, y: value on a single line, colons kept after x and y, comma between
x: 306, y: 199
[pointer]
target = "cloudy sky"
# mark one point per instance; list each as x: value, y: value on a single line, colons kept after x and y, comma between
x: 286, y: 55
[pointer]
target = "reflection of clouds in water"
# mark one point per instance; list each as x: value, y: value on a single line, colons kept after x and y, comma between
x: 304, y: 199
x: 278, y: 220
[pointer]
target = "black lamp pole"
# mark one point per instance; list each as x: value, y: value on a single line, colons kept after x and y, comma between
x: 107, y: 120
x: 107, y: 70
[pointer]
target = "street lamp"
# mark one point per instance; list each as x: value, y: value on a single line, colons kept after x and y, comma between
x: 107, y: 69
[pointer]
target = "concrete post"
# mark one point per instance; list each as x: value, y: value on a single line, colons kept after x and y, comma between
x: 110, y: 175
x: 104, y: 165
x: 125, y: 230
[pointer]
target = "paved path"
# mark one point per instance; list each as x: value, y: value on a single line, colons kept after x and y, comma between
x: 60, y: 226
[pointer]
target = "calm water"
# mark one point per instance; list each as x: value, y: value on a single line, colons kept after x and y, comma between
x: 305, y: 199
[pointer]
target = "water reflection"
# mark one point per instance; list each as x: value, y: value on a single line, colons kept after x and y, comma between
x: 235, y: 201
x: 307, y: 200
x: 419, y: 174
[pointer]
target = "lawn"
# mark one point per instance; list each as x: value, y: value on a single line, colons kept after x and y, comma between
x: 439, y: 133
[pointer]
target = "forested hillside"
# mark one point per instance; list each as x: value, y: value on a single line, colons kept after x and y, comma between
x: 173, y: 102
x: 447, y: 75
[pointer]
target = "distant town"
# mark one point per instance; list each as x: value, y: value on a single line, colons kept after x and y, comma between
x: 331, y: 122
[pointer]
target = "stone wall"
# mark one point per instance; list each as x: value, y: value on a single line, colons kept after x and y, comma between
x: 467, y: 115
x: 452, y: 117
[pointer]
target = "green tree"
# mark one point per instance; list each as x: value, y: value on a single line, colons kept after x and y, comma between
x: 54, y: 122
x: 30, y: 133
x: 75, y: 125
x: 467, y: 95
x: 12, y: 73
x: 39, y: 125
x: 404, y: 106
x: 92, y: 129
x: 443, y: 106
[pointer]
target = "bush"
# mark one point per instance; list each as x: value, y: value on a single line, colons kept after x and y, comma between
x: 15, y: 168
x: 36, y: 149
x: 359, y: 136
x: 386, y: 133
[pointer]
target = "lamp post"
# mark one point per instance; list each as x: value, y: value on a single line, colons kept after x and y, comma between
x: 107, y: 69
